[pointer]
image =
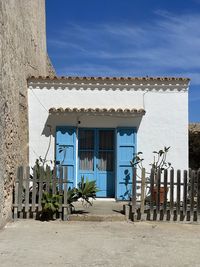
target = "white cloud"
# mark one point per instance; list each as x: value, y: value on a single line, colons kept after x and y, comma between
x: 168, y: 46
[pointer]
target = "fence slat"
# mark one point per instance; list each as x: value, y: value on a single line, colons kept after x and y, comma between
x: 143, y: 194
x: 178, y: 194
x: 192, y: 181
x: 165, y: 195
x: 198, y: 195
x: 158, y: 176
x: 185, y: 175
x: 33, y: 209
x: 16, y: 192
x: 60, y: 189
x: 65, y: 209
x: 41, y: 179
x: 171, y: 193
x: 27, y: 191
x: 55, y: 171
x: 151, y: 193
x: 48, y: 178
x: 134, y: 186
x: 20, y: 191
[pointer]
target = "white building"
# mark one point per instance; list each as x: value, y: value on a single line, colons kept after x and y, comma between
x: 95, y: 125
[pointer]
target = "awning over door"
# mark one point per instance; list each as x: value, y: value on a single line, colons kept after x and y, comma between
x: 99, y: 111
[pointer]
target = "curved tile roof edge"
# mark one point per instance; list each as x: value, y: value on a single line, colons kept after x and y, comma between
x: 108, y: 78
x: 98, y: 110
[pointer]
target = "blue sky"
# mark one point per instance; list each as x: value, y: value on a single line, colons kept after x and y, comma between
x: 127, y: 38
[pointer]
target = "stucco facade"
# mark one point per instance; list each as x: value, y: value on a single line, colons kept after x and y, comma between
x: 160, y: 119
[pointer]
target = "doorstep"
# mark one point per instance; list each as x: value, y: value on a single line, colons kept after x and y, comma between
x: 96, y: 218
x: 100, y: 211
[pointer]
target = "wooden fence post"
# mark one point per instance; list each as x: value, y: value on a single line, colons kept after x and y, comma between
x: 60, y: 189
x: 40, y: 181
x: 65, y: 204
x: 20, y: 191
x: 34, y: 192
x: 185, y: 185
x: 48, y: 178
x: 16, y: 194
x: 55, y: 171
x: 27, y: 208
x: 171, y: 193
x: 198, y: 195
x: 134, y: 187
x: 152, y: 193
x: 165, y: 195
x: 192, y: 180
x: 178, y: 192
x: 143, y: 194
x: 158, y: 177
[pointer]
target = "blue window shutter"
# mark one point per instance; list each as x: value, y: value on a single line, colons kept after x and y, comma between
x: 66, y: 151
x: 126, y: 148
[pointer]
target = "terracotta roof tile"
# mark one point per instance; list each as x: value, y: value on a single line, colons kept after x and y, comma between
x: 97, y: 110
x: 109, y: 78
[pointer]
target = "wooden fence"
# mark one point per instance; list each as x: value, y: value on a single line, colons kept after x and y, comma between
x: 30, y: 185
x: 159, y: 195
x: 166, y: 195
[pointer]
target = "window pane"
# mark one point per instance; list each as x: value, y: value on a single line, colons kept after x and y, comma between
x: 106, y: 140
x: 105, y: 161
x: 86, y: 139
x: 86, y: 160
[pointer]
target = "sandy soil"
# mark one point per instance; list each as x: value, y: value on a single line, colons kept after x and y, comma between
x: 33, y: 243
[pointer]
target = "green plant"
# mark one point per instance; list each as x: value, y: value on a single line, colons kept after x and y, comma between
x: 86, y: 190
x: 50, y: 204
x: 159, y: 162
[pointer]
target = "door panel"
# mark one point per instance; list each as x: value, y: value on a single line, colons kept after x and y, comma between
x: 125, y: 152
x: 96, y: 159
x: 105, y: 163
x: 66, y: 151
x: 86, y: 160
x: 86, y: 153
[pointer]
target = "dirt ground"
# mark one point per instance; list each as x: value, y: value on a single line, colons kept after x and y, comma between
x: 34, y: 243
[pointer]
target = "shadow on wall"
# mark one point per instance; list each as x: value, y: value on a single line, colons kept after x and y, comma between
x: 55, y: 120
x: 90, y: 121
x: 127, y: 185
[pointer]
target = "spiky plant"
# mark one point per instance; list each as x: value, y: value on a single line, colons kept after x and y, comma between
x: 87, y: 189
x: 50, y: 204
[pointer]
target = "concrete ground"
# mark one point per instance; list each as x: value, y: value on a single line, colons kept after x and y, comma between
x: 34, y: 243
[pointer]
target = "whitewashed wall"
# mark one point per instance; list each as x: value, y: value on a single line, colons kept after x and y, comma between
x: 164, y: 124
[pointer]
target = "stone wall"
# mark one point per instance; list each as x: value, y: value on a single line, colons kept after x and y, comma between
x: 22, y: 53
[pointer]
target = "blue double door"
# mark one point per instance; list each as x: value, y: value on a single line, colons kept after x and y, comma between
x: 102, y: 155
x: 96, y: 156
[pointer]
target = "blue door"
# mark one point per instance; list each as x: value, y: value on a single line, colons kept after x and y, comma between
x: 96, y: 159
x: 126, y: 148
x: 66, y: 151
